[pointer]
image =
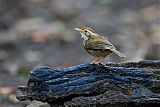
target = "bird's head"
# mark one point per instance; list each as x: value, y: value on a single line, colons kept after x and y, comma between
x: 86, y: 32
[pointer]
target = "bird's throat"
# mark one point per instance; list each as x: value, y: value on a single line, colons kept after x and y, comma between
x: 84, y: 36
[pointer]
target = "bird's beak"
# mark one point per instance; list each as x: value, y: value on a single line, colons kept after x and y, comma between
x: 80, y: 30
x: 77, y: 29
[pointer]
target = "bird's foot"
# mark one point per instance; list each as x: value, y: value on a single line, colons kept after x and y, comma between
x: 97, y: 61
x: 100, y: 63
x: 93, y: 62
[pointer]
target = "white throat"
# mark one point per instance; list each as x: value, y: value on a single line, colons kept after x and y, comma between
x: 84, y: 36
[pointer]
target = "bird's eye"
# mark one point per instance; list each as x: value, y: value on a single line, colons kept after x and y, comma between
x: 85, y: 31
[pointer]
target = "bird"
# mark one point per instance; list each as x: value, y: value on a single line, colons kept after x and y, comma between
x: 97, y: 45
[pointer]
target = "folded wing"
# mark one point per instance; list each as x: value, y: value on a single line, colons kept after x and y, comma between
x: 104, y: 45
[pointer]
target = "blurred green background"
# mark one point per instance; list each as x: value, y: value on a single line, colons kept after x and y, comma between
x: 41, y: 32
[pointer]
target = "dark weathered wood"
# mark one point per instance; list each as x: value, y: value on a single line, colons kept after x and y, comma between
x: 122, y: 84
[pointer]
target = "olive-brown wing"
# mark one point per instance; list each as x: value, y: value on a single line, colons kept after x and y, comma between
x: 100, y: 43
x: 105, y: 45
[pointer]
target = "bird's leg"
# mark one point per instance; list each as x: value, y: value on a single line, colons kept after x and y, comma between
x: 96, y: 61
x: 101, y: 59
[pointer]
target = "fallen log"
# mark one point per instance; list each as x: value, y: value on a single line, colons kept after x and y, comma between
x: 129, y: 84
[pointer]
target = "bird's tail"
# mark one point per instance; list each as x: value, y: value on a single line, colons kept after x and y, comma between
x: 119, y: 53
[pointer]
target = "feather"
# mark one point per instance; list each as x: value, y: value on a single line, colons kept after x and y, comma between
x: 119, y: 53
